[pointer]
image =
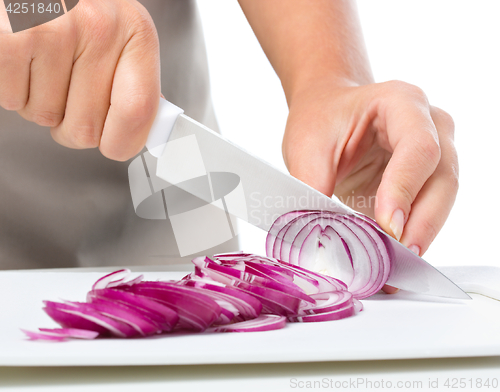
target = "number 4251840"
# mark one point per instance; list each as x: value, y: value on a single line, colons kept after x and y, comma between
x: 40, y: 8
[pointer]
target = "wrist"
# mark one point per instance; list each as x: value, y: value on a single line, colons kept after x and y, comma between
x: 311, y: 85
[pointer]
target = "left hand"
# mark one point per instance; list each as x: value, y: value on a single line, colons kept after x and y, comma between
x: 382, y: 149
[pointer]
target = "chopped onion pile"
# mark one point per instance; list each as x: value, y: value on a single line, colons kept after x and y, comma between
x: 240, y: 292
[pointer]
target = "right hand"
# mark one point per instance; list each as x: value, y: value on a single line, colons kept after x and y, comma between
x: 92, y: 76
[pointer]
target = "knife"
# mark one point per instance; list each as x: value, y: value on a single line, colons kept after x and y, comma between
x: 203, y: 175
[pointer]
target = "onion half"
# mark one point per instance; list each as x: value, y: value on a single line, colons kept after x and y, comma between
x: 345, y: 247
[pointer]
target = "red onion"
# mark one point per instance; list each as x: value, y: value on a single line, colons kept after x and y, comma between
x: 196, y: 309
x: 248, y: 307
x: 348, y: 248
x: 83, y: 316
x: 265, y: 322
x: 60, y: 334
x: 327, y: 316
x: 162, y: 315
x: 240, y: 292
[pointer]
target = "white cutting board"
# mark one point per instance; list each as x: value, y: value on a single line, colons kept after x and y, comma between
x: 391, y: 327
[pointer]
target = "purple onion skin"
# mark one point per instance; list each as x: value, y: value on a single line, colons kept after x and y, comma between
x: 263, y: 301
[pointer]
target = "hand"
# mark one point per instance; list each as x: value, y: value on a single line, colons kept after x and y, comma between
x: 92, y: 75
x: 382, y: 149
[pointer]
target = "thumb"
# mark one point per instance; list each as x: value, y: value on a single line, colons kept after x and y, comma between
x: 416, y: 153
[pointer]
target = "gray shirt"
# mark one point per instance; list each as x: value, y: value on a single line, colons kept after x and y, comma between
x: 72, y: 208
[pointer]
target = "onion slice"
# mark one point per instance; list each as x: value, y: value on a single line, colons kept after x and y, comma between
x: 165, y: 317
x: 196, y: 309
x: 60, y: 334
x: 327, y: 316
x: 82, y: 316
x: 327, y: 302
x: 265, y: 322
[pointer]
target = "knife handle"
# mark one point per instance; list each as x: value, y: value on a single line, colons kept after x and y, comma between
x: 162, y: 127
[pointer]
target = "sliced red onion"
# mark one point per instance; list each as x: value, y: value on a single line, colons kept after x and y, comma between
x: 270, y: 271
x: 327, y: 302
x: 127, y: 315
x: 113, y: 278
x: 273, y: 301
x: 70, y: 333
x: 229, y: 292
x: 273, y: 240
x: 310, y: 281
x: 265, y: 322
x: 165, y: 317
x: 196, y: 310
x: 247, y: 305
x: 337, y: 314
x: 126, y: 283
x: 358, y: 306
x: 60, y: 334
x: 82, y: 316
x: 347, y: 247
x: 45, y: 336
x: 286, y: 287
x: 308, y: 284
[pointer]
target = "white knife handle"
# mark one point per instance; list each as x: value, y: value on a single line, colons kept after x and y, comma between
x: 162, y: 127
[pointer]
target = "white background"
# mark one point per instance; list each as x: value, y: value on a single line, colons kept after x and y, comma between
x: 449, y: 48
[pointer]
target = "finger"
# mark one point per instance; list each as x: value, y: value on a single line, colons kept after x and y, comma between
x: 5, y: 27
x: 49, y: 80
x: 412, y: 136
x: 15, y: 61
x: 134, y: 98
x: 389, y: 289
x: 435, y: 200
x: 88, y: 99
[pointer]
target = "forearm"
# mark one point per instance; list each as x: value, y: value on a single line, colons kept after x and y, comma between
x: 308, y: 41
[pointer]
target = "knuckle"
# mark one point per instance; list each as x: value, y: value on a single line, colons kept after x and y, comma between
x: 18, y: 48
x: 443, y: 120
x: 445, y: 117
x: 12, y: 104
x: 406, y: 193
x: 104, y: 28
x: 45, y: 118
x: 428, y: 148
x: 396, y: 85
x: 138, y: 107
x: 84, y: 137
x: 142, y: 20
x: 429, y: 228
x: 454, y: 182
x: 99, y: 20
x: 144, y: 23
x: 399, y: 88
x: 451, y: 177
x: 116, y: 154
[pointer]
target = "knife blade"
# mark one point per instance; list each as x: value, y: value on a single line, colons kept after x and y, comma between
x: 196, y: 160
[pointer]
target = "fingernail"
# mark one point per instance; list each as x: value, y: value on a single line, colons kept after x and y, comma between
x: 397, y: 223
x: 390, y: 289
x: 415, y: 249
